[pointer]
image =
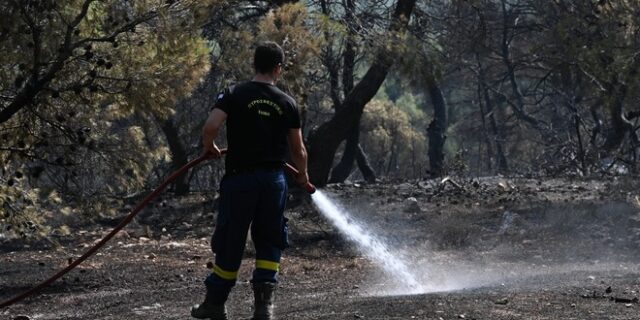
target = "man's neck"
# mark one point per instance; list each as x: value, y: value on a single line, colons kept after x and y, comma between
x: 266, y: 78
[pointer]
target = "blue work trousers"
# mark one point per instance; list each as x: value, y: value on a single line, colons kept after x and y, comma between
x: 253, y: 200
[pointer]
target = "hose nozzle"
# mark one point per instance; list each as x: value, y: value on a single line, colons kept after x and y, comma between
x: 310, y: 188
x: 307, y: 186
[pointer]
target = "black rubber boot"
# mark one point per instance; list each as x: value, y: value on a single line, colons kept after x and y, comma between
x: 263, y: 293
x: 210, y: 309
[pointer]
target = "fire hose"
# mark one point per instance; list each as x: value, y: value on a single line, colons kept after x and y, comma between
x: 308, y: 187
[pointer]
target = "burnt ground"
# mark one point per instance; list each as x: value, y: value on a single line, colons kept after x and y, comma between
x: 492, y: 248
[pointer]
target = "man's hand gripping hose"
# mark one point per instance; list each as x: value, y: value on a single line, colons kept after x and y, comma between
x: 308, y: 187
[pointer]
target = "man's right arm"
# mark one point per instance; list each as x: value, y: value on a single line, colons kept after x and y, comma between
x: 210, y: 132
x: 298, y: 154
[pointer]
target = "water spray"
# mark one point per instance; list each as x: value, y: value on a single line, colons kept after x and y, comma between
x: 370, y: 245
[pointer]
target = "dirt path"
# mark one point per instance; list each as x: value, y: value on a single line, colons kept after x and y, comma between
x: 525, y: 250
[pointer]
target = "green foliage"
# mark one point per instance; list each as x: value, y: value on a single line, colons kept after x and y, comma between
x: 600, y: 39
x: 19, y: 208
x: 87, y: 81
x: 85, y: 85
x: 410, y: 104
x: 390, y: 139
x: 288, y: 26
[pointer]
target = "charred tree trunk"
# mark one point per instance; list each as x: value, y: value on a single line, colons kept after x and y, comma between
x: 501, y: 159
x: 364, y: 165
x: 324, y: 141
x: 597, y: 127
x: 620, y: 126
x: 393, y: 156
x: 632, y: 115
x: 349, y: 55
x: 178, y: 155
x: 571, y: 82
x: 498, y: 138
x: 485, y: 129
x: 331, y: 64
x: 343, y: 169
x: 437, y: 128
x: 519, y: 106
x: 352, y: 150
x: 581, y: 152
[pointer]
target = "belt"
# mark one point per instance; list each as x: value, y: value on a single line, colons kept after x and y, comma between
x: 255, y: 168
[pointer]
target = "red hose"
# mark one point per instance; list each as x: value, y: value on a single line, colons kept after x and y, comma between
x: 108, y: 237
x: 309, y: 187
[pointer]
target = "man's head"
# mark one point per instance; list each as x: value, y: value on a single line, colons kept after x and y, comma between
x: 268, y: 58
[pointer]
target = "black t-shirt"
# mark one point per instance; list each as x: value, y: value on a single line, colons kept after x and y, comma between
x: 259, y: 116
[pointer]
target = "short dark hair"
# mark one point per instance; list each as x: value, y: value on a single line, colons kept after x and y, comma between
x: 267, y: 56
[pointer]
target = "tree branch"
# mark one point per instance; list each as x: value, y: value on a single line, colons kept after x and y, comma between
x: 29, y: 92
x: 148, y: 16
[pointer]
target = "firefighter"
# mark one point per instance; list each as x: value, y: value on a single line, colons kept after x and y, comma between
x: 263, y: 125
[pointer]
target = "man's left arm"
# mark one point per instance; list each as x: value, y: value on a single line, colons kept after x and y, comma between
x: 210, y: 132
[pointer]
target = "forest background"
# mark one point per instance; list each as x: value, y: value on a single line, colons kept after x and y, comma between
x: 100, y: 100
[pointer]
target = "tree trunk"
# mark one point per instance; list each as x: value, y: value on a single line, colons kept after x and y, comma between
x: 324, y: 141
x: 437, y: 128
x: 501, y: 159
x: 581, y: 153
x: 519, y: 106
x: 498, y: 138
x: 485, y: 130
x: 620, y: 126
x: 393, y: 154
x: 349, y: 55
x: 178, y: 155
x: 352, y: 152
x: 571, y: 83
x: 352, y: 148
x: 597, y: 127
x: 343, y: 169
x: 364, y: 165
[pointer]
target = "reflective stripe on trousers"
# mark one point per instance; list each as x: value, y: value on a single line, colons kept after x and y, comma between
x: 253, y: 201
